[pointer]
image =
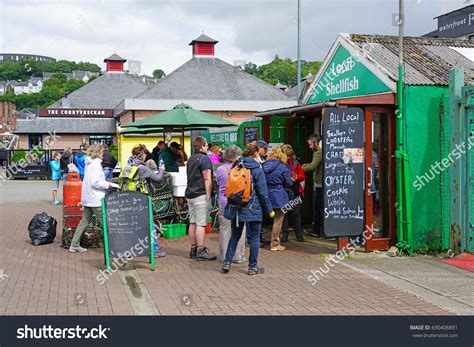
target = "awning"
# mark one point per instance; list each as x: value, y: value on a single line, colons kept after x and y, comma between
x: 287, y: 111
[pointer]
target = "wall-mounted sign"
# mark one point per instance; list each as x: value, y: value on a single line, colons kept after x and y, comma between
x: 343, y: 149
x: 345, y: 76
x: 76, y: 112
x: 250, y: 134
x: 222, y: 138
x: 457, y: 23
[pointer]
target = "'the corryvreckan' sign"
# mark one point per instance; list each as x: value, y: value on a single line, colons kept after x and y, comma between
x: 76, y: 112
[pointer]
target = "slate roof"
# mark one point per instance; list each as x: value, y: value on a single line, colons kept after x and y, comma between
x: 212, y: 79
x: 106, y: 91
x: 427, y: 60
x: 114, y: 57
x: 66, y: 125
x: 203, y: 38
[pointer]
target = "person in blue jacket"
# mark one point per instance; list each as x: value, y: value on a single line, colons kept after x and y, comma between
x: 249, y: 215
x: 279, y: 183
x: 55, y: 175
x: 80, y: 159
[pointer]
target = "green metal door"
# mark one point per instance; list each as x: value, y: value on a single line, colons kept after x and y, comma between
x: 277, y: 129
x: 467, y: 109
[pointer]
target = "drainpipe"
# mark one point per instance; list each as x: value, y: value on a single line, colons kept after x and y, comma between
x: 404, y: 226
x: 298, y: 88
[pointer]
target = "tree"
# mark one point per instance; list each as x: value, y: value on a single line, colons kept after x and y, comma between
x: 251, y: 68
x: 282, y: 70
x: 158, y: 73
x: 73, y: 85
x: 54, y: 81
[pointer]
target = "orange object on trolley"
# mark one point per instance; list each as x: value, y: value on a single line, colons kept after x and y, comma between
x: 72, y: 209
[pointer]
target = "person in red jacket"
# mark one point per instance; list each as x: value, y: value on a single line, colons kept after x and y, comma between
x: 296, y: 197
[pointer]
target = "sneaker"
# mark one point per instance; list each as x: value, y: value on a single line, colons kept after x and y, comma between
x: 77, y: 249
x: 299, y: 238
x: 257, y: 270
x: 240, y: 261
x: 203, y: 254
x: 225, y: 268
x: 55, y: 202
x: 160, y: 254
x: 193, y: 252
x: 278, y: 248
x: 284, y: 238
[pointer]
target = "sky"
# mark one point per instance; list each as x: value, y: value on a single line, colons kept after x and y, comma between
x: 157, y: 33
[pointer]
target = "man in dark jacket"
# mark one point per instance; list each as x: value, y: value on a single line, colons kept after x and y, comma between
x: 108, y: 163
x: 250, y: 214
x: 316, y: 167
x: 170, y: 157
x: 198, y: 195
x: 66, y: 159
x: 154, y: 153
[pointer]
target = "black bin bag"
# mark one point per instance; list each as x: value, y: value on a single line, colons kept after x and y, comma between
x: 42, y: 229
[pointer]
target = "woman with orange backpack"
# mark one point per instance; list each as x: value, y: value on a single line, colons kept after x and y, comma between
x: 245, y: 206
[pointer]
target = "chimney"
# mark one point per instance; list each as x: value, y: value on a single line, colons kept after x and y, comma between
x: 203, y: 46
x: 114, y: 63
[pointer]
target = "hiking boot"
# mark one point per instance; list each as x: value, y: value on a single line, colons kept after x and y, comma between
x: 278, y: 248
x: 257, y: 270
x: 193, y: 252
x: 203, y: 254
x: 77, y: 249
x: 160, y: 254
x: 284, y: 238
x: 225, y: 268
x: 299, y: 238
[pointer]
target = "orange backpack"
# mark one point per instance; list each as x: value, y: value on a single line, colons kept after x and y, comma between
x: 238, y: 189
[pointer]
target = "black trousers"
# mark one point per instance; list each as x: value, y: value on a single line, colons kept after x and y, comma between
x: 295, y: 215
x: 318, y: 211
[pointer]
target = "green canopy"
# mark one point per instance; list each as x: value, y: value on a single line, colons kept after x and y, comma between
x: 181, y: 117
x: 144, y: 131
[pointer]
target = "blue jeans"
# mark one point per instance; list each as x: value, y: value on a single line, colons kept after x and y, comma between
x: 108, y: 173
x: 253, y: 237
x: 155, y: 240
x: 65, y: 177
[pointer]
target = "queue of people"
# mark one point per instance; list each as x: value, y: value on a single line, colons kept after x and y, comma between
x: 252, y: 185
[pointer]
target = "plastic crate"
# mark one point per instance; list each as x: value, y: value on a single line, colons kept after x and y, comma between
x: 173, y: 231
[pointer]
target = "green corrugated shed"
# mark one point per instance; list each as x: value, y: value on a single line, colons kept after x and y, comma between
x: 423, y: 139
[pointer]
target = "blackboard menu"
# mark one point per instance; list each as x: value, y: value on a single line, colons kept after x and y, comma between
x: 343, y: 158
x: 250, y: 134
x: 128, y: 223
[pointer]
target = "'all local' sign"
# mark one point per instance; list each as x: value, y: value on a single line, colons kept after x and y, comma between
x: 345, y: 76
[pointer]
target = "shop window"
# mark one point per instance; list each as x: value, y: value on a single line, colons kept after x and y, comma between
x: 108, y: 140
x: 35, y: 140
